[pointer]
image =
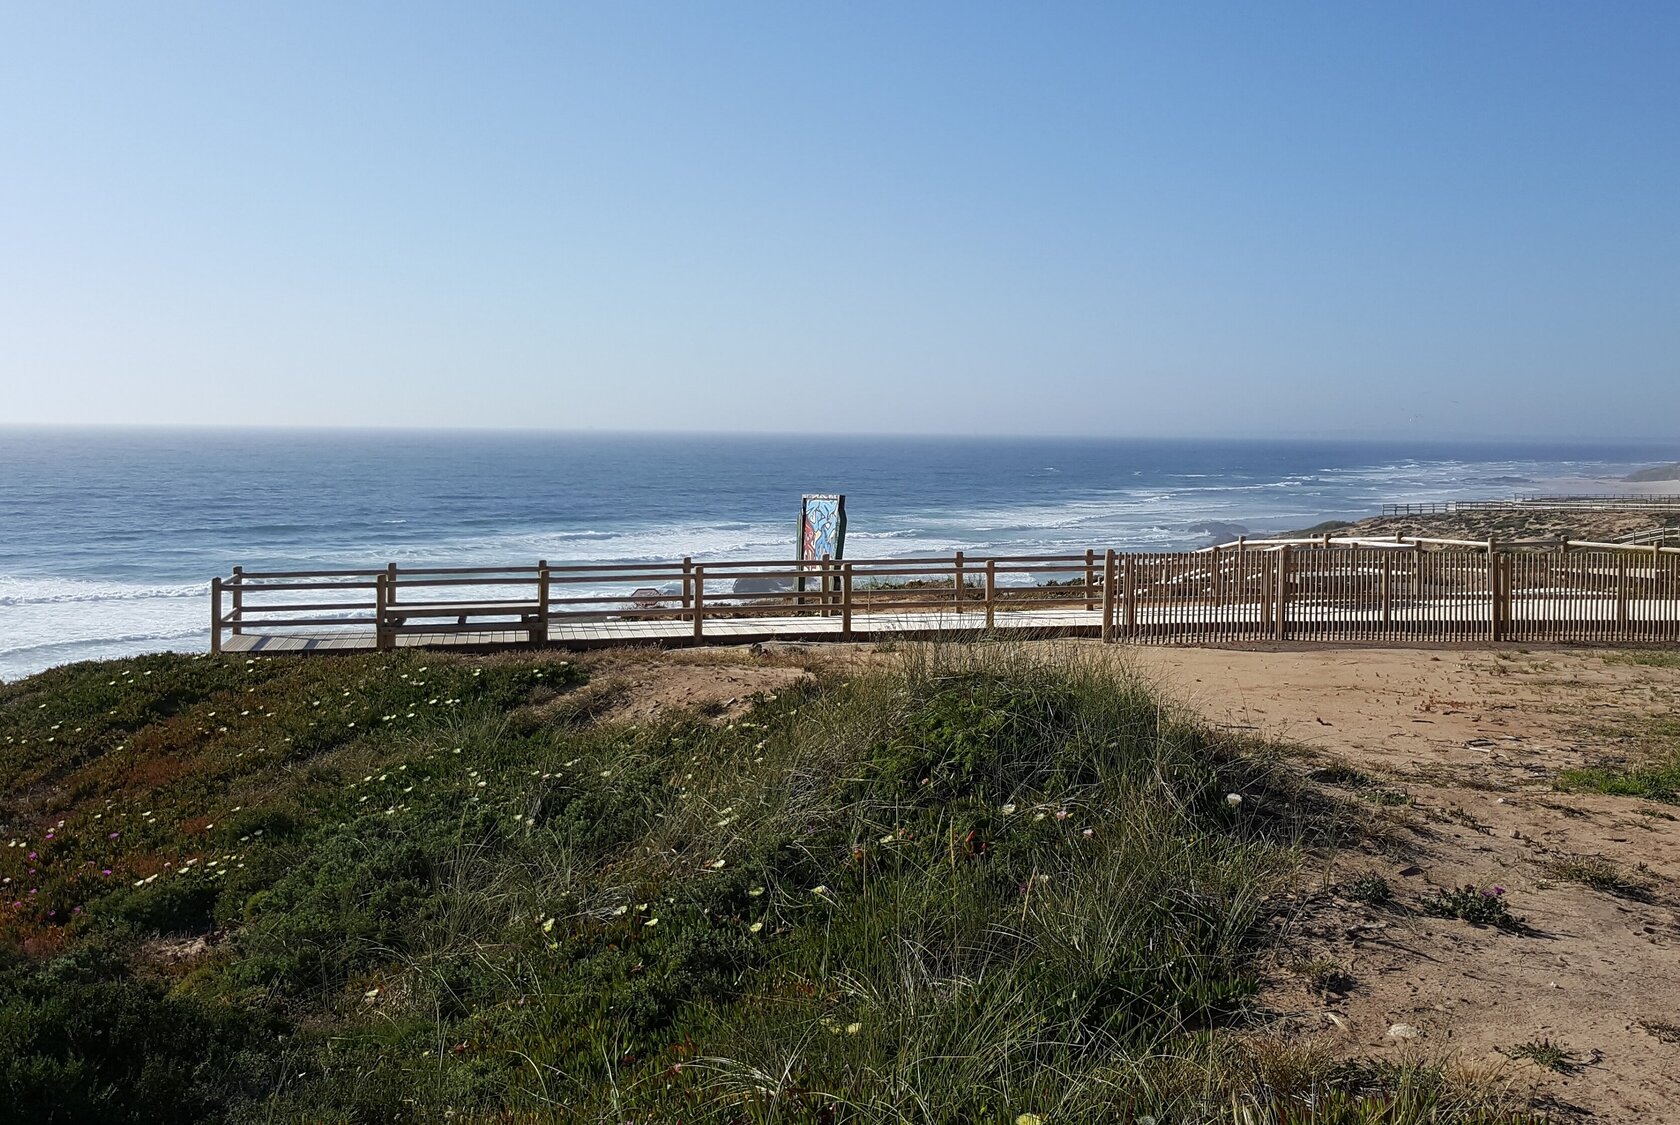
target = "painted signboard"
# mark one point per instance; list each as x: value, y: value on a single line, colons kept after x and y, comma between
x: 822, y: 528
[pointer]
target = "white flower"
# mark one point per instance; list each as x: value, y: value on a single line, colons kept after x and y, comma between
x: 1007, y: 809
x: 1233, y: 799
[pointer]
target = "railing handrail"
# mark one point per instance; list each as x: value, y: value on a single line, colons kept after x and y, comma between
x: 1319, y: 587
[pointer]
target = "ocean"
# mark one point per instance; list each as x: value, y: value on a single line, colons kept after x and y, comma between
x: 108, y: 538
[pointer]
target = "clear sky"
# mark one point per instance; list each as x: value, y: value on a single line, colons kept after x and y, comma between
x: 1400, y: 219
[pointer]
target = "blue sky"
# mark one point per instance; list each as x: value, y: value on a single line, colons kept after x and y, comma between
x: 1406, y: 219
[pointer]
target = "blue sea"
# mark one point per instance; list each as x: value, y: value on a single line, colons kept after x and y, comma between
x: 108, y: 538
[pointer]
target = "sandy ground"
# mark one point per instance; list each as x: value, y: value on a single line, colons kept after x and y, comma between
x: 1473, y: 739
x: 1459, y: 749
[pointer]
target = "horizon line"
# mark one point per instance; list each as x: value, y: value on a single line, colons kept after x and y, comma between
x: 1502, y: 439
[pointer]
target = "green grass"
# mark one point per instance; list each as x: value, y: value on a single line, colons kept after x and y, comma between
x: 1656, y: 779
x: 1605, y: 875
x: 1479, y: 907
x: 1651, y: 658
x: 1545, y: 1053
x: 966, y: 887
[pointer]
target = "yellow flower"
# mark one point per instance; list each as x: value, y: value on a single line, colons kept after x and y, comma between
x: 1029, y: 1119
x: 755, y: 927
x: 853, y: 1028
x: 548, y: 926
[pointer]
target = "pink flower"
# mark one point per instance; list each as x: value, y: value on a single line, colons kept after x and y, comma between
x: 32, y: 856
x: 113, y: 835
x: 107, y: 871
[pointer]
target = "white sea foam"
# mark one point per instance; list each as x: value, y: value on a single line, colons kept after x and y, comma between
x: 21, y: 591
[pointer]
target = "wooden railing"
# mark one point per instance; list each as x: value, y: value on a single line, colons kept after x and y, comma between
x: 1636, y: 502
x: 1306, y: 589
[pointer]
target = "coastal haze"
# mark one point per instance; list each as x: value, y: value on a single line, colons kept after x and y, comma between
x: 113, y: 534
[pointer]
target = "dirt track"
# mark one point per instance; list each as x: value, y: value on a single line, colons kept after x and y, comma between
x: 1473, y: 740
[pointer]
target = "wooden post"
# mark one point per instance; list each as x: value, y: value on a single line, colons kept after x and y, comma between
x: 1108, y: 597
x: 1493, y: 592
x: 215, y: 615
x: 391, y: 584
x: 539, y: 631
x: 1282, y: 623
x: 699, y: 601
x: 1621, y: 595
x: 384, y: 636
x: 1387, y: 592
x: 846, y: 602
x: 959, y: 574
x: 1090, y: 579
x: 688, y: 586
x: 991, y: 591
x: 1215, y: 577
x: 238, y: 600
x: 828, y: 585
x: 1130, y: 595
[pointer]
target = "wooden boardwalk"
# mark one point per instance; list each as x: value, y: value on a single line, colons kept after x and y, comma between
x: 1402, y: 590
x: 719, y: 631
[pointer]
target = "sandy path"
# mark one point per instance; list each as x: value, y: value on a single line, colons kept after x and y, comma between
x: 1474, y: 739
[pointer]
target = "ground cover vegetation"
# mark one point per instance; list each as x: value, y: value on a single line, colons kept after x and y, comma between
x: 968, y: 884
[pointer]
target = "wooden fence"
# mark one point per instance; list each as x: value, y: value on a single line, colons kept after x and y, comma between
x: 1620, y: 502
x: 1325, y: 589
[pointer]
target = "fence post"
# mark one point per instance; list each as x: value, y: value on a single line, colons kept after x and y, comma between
x: 384, y: 637
x: 1282, y: 592
x: 238, y: 599
x: 959, y: 574
x: 1130, y: 595
x: 827, y: 585
x: 215, y: 615
x: 688, y: 586
x: 1090, y: 579
x: 1621, y: 593
x: 1387, y: 593
x: 846, y: 602
x: 539, y: 631
x: 699, y: 601
x: 1108, y: 597
x: 391, y: 584
x: 991, y: 591
x: 1493, y: 592
x: 1216, y: 577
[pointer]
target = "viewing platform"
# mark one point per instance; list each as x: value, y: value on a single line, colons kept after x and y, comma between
x: 1402, y: 590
